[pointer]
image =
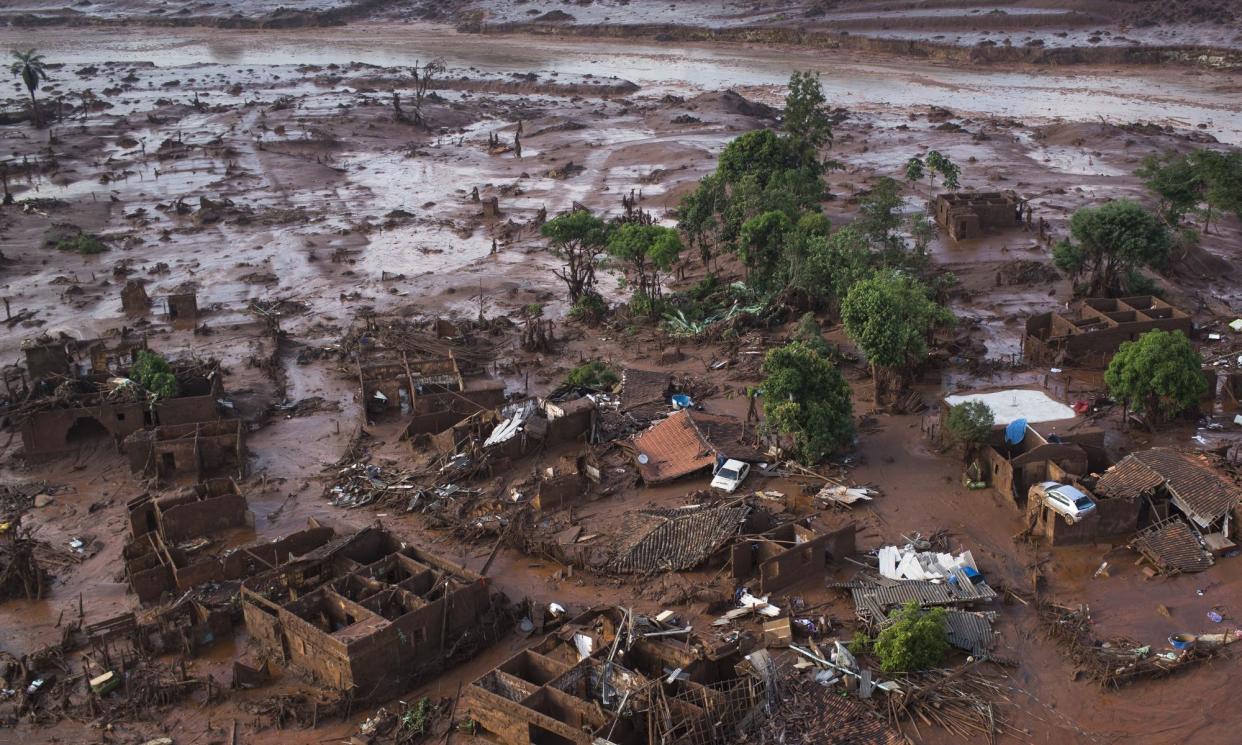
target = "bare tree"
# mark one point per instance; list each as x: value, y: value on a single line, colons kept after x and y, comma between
x: 423, y: 75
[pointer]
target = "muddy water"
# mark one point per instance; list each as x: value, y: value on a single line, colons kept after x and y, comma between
x: 1174, y: 96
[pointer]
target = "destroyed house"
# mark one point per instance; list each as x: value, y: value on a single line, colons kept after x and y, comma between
x: 1091, y: 336
x: 1013, y: 468
x: 1162, y: 477
x: 688, y: 442
x: 202, y: 509
x: 430, y: 394
x: 970, y: 214
x: 155, y: 567
x: 371, y: 614
x: 645, y: 393
x: 788, y: 554
x: 61, y: 413
x: 607, y: 677
x: 188, y: 452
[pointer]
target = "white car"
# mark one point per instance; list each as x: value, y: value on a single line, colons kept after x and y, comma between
x: 1063, y: 499
x: 730, y: 476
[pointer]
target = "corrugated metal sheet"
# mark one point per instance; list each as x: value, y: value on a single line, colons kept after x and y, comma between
x: 1173, y: 547
x: 971, y: 632
x: 923, y: 593
x: 673, y: 540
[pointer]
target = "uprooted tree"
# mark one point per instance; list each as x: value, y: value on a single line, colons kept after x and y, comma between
x: 806, y: 399
x: 1160, y: 375
x: 891, y: 317
x: 1110, y: 244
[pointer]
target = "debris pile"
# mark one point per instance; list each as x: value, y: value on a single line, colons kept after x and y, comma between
x: 1118, y: 662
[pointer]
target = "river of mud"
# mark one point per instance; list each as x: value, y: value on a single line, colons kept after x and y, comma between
x: 1177, y: 96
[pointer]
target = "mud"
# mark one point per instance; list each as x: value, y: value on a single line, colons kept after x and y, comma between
x: 318, y: 197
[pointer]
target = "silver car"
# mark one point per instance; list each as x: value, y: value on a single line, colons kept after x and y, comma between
x: 1065, y: 500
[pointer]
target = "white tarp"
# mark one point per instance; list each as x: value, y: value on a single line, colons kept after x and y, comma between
x: 906, y: 563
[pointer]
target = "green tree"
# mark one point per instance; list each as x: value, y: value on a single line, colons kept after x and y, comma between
x: 1175, y: 179
x: 805, y: 397
x: 593, y: 374
x: 922, y: 231
x: 833, y: 265
x: 891, y: 316
x: 154, y: 374
x: 938, y: 162
x: 579, y: 239
x: 970, y: 424
x: 1112, y: 240
x: 648, y: 250
x: 1160, y: 375
x: 30, y: 67
x: 915, y: 170
x: 879, y: 213
x: 809, y: 333
x: 761, y: 246
x: 698, y: 215
x: 915, y: 639
x: 1221, y: 174
x: 762, y: 153
x: 806, y: 111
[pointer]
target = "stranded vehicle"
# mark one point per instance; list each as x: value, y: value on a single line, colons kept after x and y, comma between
x: 1063, y: 499
x: 730, y: 475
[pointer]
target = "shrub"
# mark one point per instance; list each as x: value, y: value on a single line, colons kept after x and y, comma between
x: 83, y: 243
x: 154, y: 374
x: 970, y: 423
x: 590, y: 308
x: 915, y: 640
x: 594, y: 374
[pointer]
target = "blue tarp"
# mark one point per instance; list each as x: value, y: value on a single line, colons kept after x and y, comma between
x: 1015, y: 432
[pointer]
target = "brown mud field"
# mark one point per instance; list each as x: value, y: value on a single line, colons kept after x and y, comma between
x: 268, y: 172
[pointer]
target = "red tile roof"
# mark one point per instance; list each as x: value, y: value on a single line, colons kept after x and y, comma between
x: 1195, y: 488
x: 672, y: 448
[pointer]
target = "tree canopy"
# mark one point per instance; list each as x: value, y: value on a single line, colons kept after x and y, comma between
x: 890, y: 315
x: 915, y: 639
x: 806, y: 112
x: 805, y: 397
x: 31, y: 68
x: 1110, y: 241
x: 579, y: 239
x: 648, y: 250
x: 1160, y: 375
x: 970, y: 423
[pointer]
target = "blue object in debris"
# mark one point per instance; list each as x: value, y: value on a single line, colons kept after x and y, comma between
x: 682, y: 401
x: 1015, y: 432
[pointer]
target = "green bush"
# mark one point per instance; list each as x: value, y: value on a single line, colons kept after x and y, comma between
x: 154, y: 374
x: 970, y: 423
x: 916, y: 639
x: 83, y: 243
x: 594, y: 374
x: 590, y: 308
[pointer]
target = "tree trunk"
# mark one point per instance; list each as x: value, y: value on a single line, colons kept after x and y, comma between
x: 34, y: 109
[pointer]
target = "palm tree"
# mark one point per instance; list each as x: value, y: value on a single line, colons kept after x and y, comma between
x: 31, y: 67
